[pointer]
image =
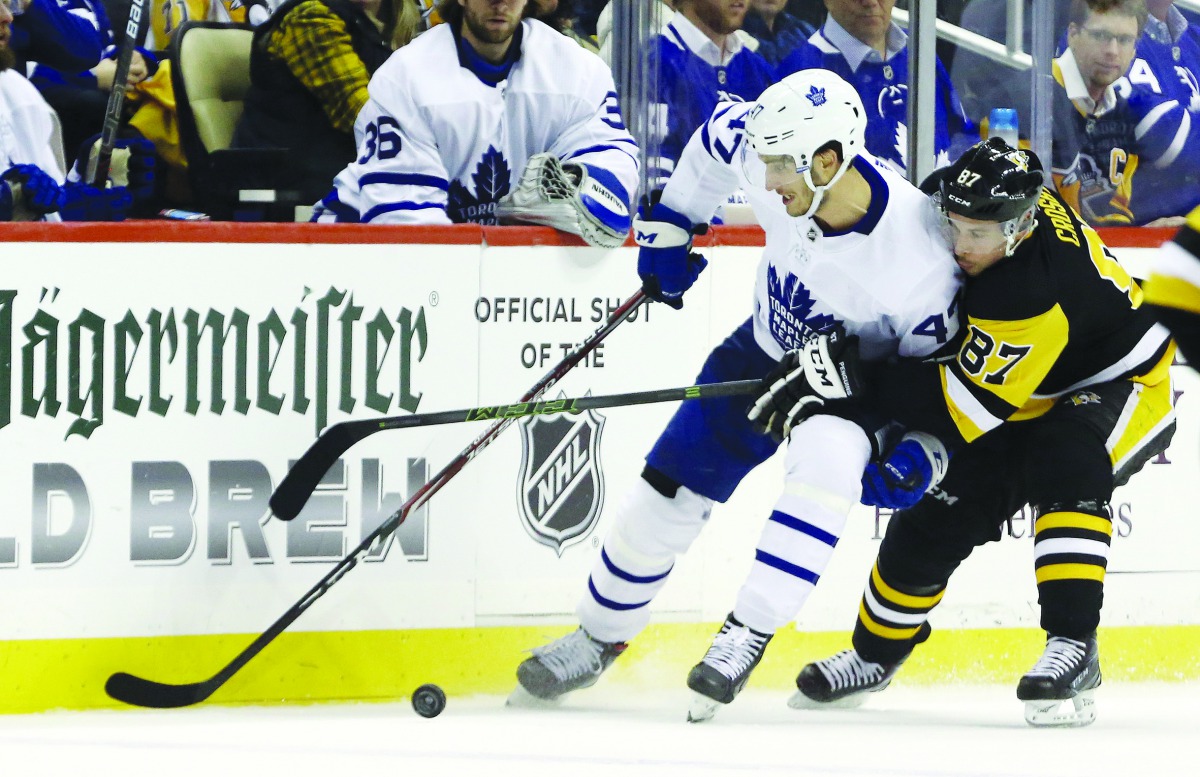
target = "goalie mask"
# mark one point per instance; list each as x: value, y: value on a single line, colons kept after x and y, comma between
x: 992, y: 190
x: 794, y: 120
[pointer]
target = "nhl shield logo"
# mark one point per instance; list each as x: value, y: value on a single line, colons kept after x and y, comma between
x: 561, y: 488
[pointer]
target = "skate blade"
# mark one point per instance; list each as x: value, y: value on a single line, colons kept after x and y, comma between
x: 702, y: 709
x: 799, y: 701
x: 523, y: 699
x: 1062, y: 713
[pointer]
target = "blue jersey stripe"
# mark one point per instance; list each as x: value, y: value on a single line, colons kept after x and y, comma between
x: 609, y: 603
x: 786, y: 567
x: 804, y: 528
x: 626, y: 576
x: 379, y: 210
x: 404, y: 179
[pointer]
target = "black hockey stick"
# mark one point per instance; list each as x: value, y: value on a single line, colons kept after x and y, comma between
x: 339, y: 438
x: 304, y: 476
x: 116, y: 98
x: 141, y: 692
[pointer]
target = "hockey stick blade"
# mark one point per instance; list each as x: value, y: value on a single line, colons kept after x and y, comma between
x: 299, y: 483
x: 302, y: 479
x: 141, y: 692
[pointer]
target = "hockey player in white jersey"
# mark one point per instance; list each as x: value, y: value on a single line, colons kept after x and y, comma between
x: 491, y: 117
x: 849, y: 244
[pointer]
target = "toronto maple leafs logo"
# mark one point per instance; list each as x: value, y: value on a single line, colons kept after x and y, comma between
x: 492, y: 179
x: 791, y: 318
x: 816, y: 96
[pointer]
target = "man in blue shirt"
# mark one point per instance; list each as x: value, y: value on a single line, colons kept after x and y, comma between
x: 776, y: 30
x: 701, y: 61
x: 860, y: 43
x: 1164, y: 96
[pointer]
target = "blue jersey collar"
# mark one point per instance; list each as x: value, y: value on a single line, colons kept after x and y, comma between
x: 485, y: 71
x: 879, y: 199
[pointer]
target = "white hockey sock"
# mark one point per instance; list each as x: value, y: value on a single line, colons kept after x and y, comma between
x: 636, y: 558
x: 825, y: 460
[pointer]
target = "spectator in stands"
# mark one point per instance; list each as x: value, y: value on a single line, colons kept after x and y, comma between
x: 776, y: 30
x: 984, y: 84
x: 860, y: 43
x: 54, y: 34
x: 491, y: 109
x: 1164, y: 96
x: 811, y: 12
x: 309, y: 68
x: 80, y: 98
x: 604, y: 25
x: 559, y: 14
x: 1097, y: 154
x: 702, y: 61
x: 32, y: 184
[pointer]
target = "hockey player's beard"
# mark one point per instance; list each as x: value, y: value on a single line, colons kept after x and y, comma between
x: 482, y: 33
x: 7, y: 58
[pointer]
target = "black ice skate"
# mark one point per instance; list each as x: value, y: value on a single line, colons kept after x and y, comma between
x: 1069, y: 670
x: 725, y: 668
x: 567, y: 664
x: 841, y: 681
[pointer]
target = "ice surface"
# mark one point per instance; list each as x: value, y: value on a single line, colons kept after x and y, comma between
x: 956, y: 731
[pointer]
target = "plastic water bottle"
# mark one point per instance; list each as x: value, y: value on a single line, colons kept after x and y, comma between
x: 1002, y: 123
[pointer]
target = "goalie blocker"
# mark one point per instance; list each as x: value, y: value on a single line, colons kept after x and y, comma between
x: 582, y: 200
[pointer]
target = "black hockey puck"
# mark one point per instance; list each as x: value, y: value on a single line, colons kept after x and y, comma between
x: 429, y: 700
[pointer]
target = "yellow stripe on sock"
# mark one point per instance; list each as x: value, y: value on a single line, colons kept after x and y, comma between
x: 879, y: 630
x: 1065, y: 520
x: 1070, y: 572
x: 904, y: 600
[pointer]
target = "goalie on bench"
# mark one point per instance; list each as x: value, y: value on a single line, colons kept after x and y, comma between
x: 489, y: 118
x: 1059, y: 393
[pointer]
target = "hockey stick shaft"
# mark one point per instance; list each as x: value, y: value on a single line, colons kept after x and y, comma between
x: 116, y: 98
x: 139, y: 691
x: 305, y: 475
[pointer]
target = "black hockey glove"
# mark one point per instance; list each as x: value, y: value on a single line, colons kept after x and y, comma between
x: 825, y: 368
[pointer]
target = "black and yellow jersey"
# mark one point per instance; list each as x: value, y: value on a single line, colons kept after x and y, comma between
x: 1095, y: 156
x: 1173, y: 288
x: 1059, y: 314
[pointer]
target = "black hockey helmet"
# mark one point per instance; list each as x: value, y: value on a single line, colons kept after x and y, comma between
x: 991, y: 181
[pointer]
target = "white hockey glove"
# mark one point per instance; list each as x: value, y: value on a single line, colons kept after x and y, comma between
x: 915, y: 465
x: 824, y: 368
x: 567, y: 198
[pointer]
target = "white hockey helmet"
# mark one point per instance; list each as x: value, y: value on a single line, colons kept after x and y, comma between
x: 805, y: 111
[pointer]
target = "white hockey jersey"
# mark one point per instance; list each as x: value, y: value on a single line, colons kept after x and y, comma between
x: 436, y: 144
x: 891, y: 280
x: 27, y: 128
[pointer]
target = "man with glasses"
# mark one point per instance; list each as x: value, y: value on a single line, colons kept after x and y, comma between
x: 1096, y: 149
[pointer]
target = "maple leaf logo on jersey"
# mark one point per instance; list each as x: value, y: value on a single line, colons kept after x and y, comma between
x: 791, y: 318
x: 816, y: 96
x: 492, y: 179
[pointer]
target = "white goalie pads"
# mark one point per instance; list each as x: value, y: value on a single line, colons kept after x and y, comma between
x: 567, y: 198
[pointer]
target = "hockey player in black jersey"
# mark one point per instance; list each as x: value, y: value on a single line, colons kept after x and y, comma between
x: 1059, y: 393
x: 1173, y: 288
